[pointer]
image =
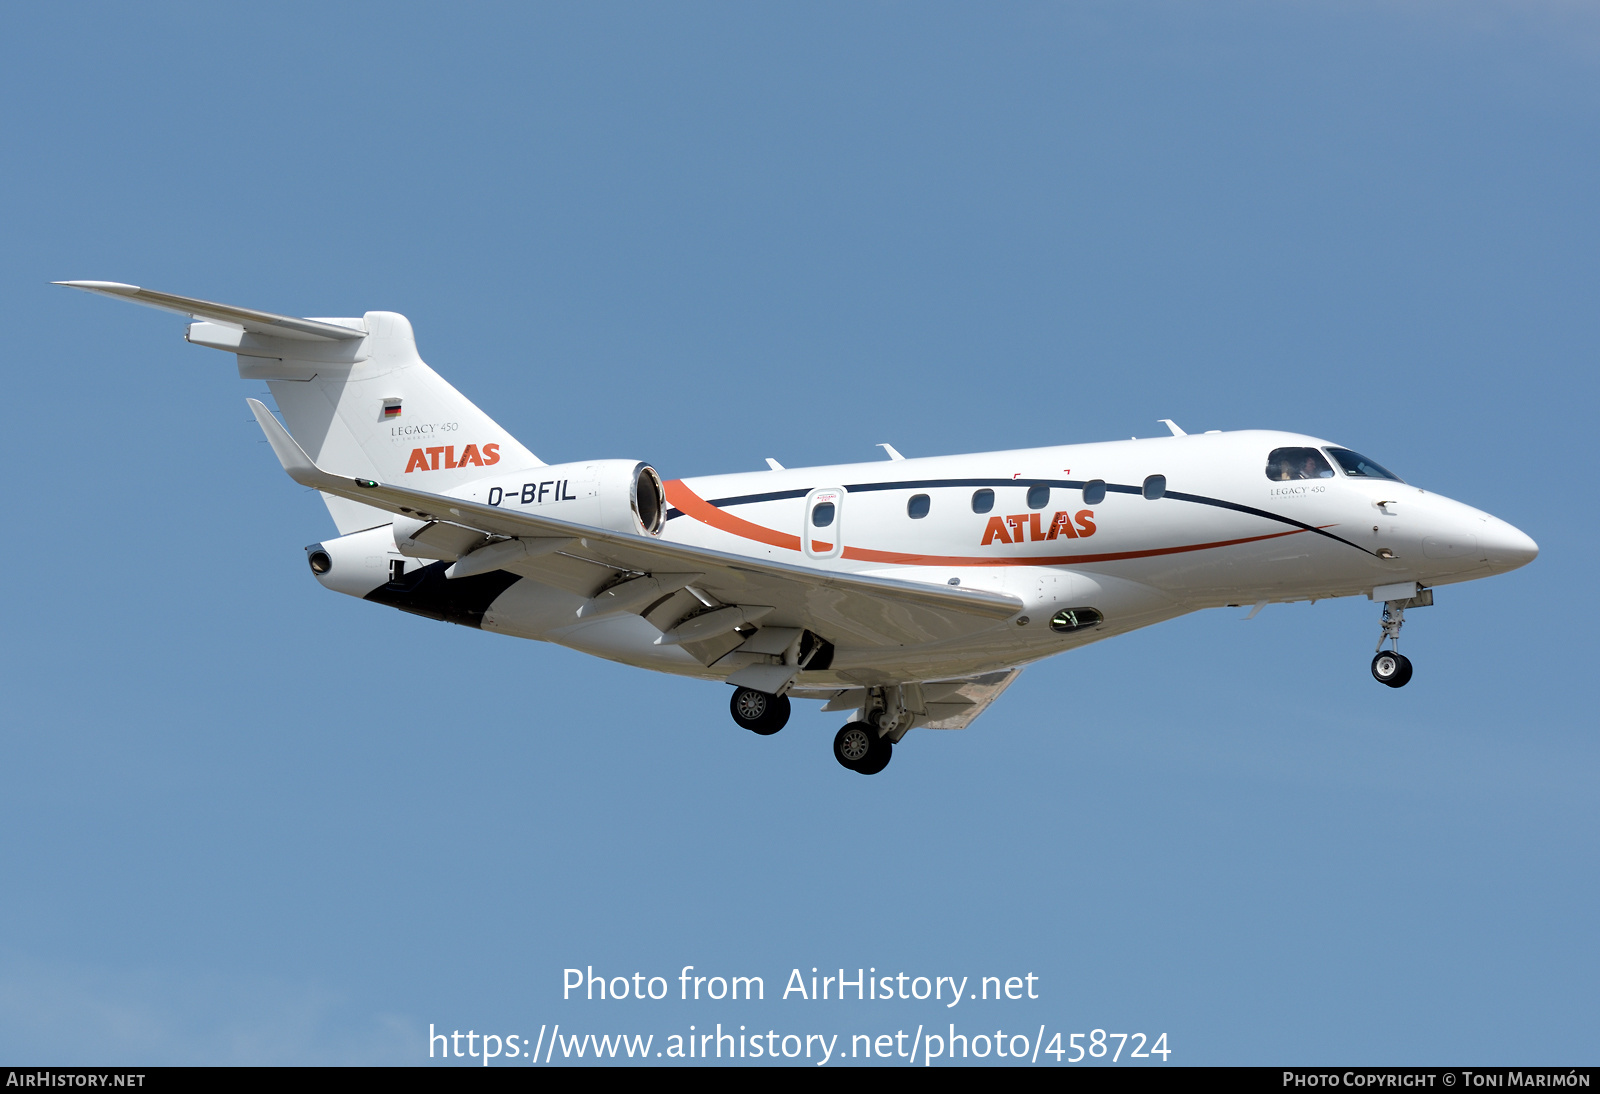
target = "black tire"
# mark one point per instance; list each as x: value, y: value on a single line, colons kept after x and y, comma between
x: 1391, y: 668
x: 859, y: 748
x: 759, y: 712
x: 882, y: 753
x: 1404, y: 677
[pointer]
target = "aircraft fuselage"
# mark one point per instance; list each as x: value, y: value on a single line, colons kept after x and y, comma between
x: 1032, y: 523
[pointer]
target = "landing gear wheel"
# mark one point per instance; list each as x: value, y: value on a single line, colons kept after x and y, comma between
x: 759, y: 712
x: 882, y: 754
x: 1391, y: 668
x: 858, y: 747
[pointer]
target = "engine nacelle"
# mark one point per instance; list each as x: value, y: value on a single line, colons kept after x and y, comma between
x: 617, y: 495
x: 355, y: 564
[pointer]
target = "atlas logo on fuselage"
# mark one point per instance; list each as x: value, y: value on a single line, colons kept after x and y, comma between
x: 855, y: 585
x: 1015, y: 529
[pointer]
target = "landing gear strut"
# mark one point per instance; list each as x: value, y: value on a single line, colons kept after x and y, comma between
x: 1390, y: 666
x: 758, y: 711
x: 865, y: 746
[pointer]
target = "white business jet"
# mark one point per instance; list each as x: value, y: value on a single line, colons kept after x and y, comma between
x: 910, y: 592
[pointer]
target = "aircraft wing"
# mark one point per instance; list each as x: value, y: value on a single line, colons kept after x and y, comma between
x: 848, y: 609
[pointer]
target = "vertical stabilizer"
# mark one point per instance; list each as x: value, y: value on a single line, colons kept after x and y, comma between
x: 374, y: 408
x: 353, y: 392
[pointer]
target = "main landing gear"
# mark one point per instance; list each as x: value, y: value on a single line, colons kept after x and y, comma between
x: 860, y: 747
x: 759, y: 712
x: 863, y: 746
x: 867, y: 745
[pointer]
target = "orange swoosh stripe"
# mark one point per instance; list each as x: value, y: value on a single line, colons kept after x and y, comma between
x: 693, y: 505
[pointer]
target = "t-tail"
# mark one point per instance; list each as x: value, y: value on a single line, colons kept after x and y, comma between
x: 354, y: 394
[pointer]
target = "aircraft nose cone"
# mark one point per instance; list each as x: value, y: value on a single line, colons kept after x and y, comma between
x: 1507, y: 547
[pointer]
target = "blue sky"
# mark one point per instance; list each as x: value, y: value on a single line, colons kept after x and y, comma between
x: 248, y: 821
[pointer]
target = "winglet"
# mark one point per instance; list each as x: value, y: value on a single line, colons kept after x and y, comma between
x: 294, y: 459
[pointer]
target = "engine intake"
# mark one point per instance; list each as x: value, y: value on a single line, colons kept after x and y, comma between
x: 649, y: 500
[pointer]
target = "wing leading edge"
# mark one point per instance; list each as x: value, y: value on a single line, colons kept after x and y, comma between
x: 257, y: 322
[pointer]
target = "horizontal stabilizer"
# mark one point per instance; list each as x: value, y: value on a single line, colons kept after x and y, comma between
x: 257, y: 322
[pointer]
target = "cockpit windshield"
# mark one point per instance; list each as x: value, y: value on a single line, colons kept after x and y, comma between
x: 1288, y: 464
x: 1358, y: 466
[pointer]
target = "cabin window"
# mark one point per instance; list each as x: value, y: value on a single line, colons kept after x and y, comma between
x: 1358, y: 466
x: 982, y: 500
x: 1075, y: 619
x: 917, y: 507
x: 1154, y: 487
x: 822, y: 515
x: 1038, y: 496
x: 1289, y: 464
x: 1094, y: 491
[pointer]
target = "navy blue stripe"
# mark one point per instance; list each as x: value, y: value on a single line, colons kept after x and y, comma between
x: 912, y: 484
x: 751, y: 499
x: 924, y: 484
x: 1200, y: 499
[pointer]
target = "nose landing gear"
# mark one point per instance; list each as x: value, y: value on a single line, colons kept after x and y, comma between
x: 1390, y: 666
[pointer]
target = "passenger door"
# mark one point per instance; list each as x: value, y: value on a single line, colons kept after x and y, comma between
x: 821, y: 535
